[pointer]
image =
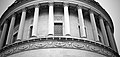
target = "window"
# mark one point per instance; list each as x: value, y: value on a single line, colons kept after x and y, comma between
x: 100, y: 40
x: 79, y: 31
x: 14, y: 37
x: 82, y: 32
x: 58, y: 29
x: 30, y: 32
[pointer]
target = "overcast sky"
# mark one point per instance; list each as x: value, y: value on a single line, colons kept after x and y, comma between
x: 111, y: 6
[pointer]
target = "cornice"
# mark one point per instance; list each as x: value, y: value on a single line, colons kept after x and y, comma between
x: 92, y: 1
x: 57, y: 42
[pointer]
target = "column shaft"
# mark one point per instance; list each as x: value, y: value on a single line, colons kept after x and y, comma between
x: 94, y: 27
x: 21, y: 26
x: 105, y: 38
x: 111, y: 38
x: 0, y: 32
x: 81, y: 22
x: 10, y: 32
x: 2, y: 39
x: 66, y: 20
x: 51, y: 20
x: 35, y: 21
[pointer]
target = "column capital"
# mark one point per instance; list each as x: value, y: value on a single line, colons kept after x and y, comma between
x: 13, y: 15
x: 79, y: 7
x: 66, y: 4
x: 100, y: 16
x: 90, y: 10
x: 36, y: 5
x: 24, y: 9
x: 6, y: 21
x: 51, y: 3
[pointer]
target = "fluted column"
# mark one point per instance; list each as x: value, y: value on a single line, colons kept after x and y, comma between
x: 66, y: 20
x: 21, y: 26
x: 111, y: 38
x: 105, y: 38
x: 10, y: 32
x: 81, y: 22
x: 94, y: 27
x: 2, y: 39
x: 51, y: 20
x: 35, y: 21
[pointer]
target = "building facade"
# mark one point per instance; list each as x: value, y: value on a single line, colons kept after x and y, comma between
x: 56, y: 28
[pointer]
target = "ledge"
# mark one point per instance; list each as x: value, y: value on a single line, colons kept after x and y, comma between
x: 57, y: 42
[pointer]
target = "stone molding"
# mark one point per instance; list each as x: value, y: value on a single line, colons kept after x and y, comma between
x: 57, y: 42
x: 91, y: 1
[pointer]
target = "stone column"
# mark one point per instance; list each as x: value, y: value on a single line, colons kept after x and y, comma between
x: 94, y: 27
x: 111, y: 38
x: 0, y: 32
x: 10, y: 32
x: 35, y: 21
x: 66, y: 20
x: 2, y: 38
x: 81, y: 22
x: 105, y: 38
x: 51, y: 20
x: 21, y: 26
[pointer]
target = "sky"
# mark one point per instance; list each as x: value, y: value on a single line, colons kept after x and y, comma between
x: 111, y: 6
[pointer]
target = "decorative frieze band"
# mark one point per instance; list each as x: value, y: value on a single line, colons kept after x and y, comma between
x: 55, y: 43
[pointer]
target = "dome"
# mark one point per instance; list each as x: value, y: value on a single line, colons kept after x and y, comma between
x: 56, y: 28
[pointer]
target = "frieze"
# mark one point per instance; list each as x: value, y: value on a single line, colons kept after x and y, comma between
x: 59, y: 43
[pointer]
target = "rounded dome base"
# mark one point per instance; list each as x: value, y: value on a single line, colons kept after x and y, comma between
x: 56, y: 52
